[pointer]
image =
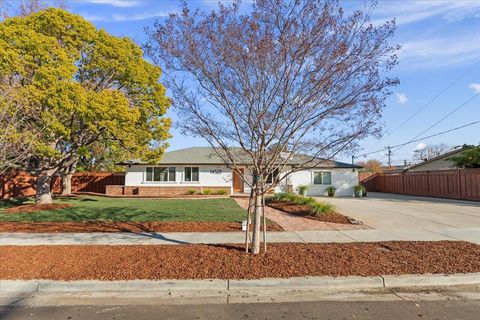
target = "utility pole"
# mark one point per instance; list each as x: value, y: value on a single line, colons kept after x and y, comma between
x: 353, y: 159
x: 389, y: 154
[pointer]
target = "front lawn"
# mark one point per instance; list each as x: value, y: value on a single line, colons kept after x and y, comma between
x: 115, y: 209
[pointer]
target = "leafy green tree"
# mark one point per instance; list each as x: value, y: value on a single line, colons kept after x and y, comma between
x: 470, y: 158
x: 82, y: 86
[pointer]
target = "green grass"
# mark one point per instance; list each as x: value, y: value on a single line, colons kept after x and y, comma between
x: 116, y: 209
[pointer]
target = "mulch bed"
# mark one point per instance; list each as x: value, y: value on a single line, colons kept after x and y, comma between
x: 29, y: 208
x: 231, y: 262
x: 305, y: 211
x: 132, y: 226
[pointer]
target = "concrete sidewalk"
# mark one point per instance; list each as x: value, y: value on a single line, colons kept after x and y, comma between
x: 175, y: 238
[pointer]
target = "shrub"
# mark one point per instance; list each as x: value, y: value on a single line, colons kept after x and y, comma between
x: 317, y: 208
x: 305, y: 201
x: 358, y: 190
x: 320, y: 208
x: 207, y: 191
x: 276, y: 197
x: 364, y: 190
x: 331, y: 191
x: 221, y: 191
x: 191, y: 191
x: 302, y: 190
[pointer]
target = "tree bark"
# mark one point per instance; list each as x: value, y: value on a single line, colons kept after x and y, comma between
x: 44, y: 192
x: 67, y: 184
x: 256, y: 223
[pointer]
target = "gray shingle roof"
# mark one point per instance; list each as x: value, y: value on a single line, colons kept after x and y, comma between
x: 207, y: 155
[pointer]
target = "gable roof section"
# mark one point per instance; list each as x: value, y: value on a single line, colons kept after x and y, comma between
x: 440, y: 157
x: 207, y: 155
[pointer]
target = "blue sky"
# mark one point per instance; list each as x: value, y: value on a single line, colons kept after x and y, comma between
x: 440, y: 45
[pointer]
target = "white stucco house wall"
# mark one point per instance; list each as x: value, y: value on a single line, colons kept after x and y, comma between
x: 199, y: 168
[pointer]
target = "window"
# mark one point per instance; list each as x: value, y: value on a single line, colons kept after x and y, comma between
x: 163, y: 174
x: 271, y: 177
x: 322, y: 177
x: 191, y: 174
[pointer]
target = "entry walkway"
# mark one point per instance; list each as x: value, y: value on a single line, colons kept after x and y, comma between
x: 176, y: 238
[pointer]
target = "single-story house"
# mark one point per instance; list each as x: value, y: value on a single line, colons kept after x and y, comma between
x: 200, y: 168
x: 440, y: 162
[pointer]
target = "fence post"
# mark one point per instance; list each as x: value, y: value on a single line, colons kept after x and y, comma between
x: 459, y: 181
x: 428, y: 184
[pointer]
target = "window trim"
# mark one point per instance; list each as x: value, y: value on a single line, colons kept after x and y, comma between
x: 191, y: 174
x: 169, y: 170
x: 272, y: 176
x: 321, y: 177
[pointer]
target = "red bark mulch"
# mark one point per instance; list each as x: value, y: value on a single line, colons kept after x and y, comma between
x: 131, y: 226
x: 306, y: 212
x: 29, y: 208
x: 228, y: 261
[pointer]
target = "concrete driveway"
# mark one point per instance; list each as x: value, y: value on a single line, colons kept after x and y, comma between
x: 392, y: 211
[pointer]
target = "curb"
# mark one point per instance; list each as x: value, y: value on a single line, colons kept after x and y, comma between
x: 227, y: 287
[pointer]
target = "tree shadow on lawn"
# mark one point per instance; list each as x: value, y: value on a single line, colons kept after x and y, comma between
x: 10, y: 203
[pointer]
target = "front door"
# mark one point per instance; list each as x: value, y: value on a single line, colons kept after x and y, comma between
x: 237, y: 182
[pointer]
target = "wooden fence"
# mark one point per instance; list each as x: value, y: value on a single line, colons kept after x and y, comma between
x: 22, y: 184
x: 454, y: 184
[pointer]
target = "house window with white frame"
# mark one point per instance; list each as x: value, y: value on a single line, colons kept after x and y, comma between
x: 272, y: 176
x: 322, y: 177
x: 191, y: 174
x: 160, y: 174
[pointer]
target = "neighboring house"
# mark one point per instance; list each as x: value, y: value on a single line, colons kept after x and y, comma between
x: 200, y: 168
x: 441, y: 162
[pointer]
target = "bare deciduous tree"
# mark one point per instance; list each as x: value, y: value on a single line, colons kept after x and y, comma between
x: 288, y: 82
x: 23, y: 8
x: 431, y: 151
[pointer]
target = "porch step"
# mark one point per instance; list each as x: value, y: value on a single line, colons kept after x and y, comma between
x: 239, y: 195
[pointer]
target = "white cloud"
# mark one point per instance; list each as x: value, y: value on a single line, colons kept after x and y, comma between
x: 114, y: 3
x: 421, y: 146
x: 414, y: 11
x: 127, y: 17
x: 475, y: 87
x: 438, y: 52
x: 401, y: 97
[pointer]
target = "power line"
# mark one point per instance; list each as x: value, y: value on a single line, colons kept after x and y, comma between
x: 437, y: 134
x: 423, y: 138
x: 433, y: 99
x: 423, y: 107
x: 445, y: 117
x: 432, y: 126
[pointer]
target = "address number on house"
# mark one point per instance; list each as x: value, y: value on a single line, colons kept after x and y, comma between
x: 216, y: 171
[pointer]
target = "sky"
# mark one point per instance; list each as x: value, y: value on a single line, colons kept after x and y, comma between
x: 439, y: 66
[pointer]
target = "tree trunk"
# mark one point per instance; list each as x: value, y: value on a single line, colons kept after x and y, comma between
x: 44, y: 192
x: 67, y: 184
x: 256, y: 223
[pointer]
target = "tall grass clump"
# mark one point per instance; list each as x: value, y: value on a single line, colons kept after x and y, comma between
x: 318, y: 208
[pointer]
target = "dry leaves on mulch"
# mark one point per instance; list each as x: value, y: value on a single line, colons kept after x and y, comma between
x: 131, y: 226
x: 231, y: 262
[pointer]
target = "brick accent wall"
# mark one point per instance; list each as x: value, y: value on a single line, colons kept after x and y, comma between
x: 157, y: 191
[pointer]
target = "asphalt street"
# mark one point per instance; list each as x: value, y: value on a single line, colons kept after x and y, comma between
x: 382, y: 310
